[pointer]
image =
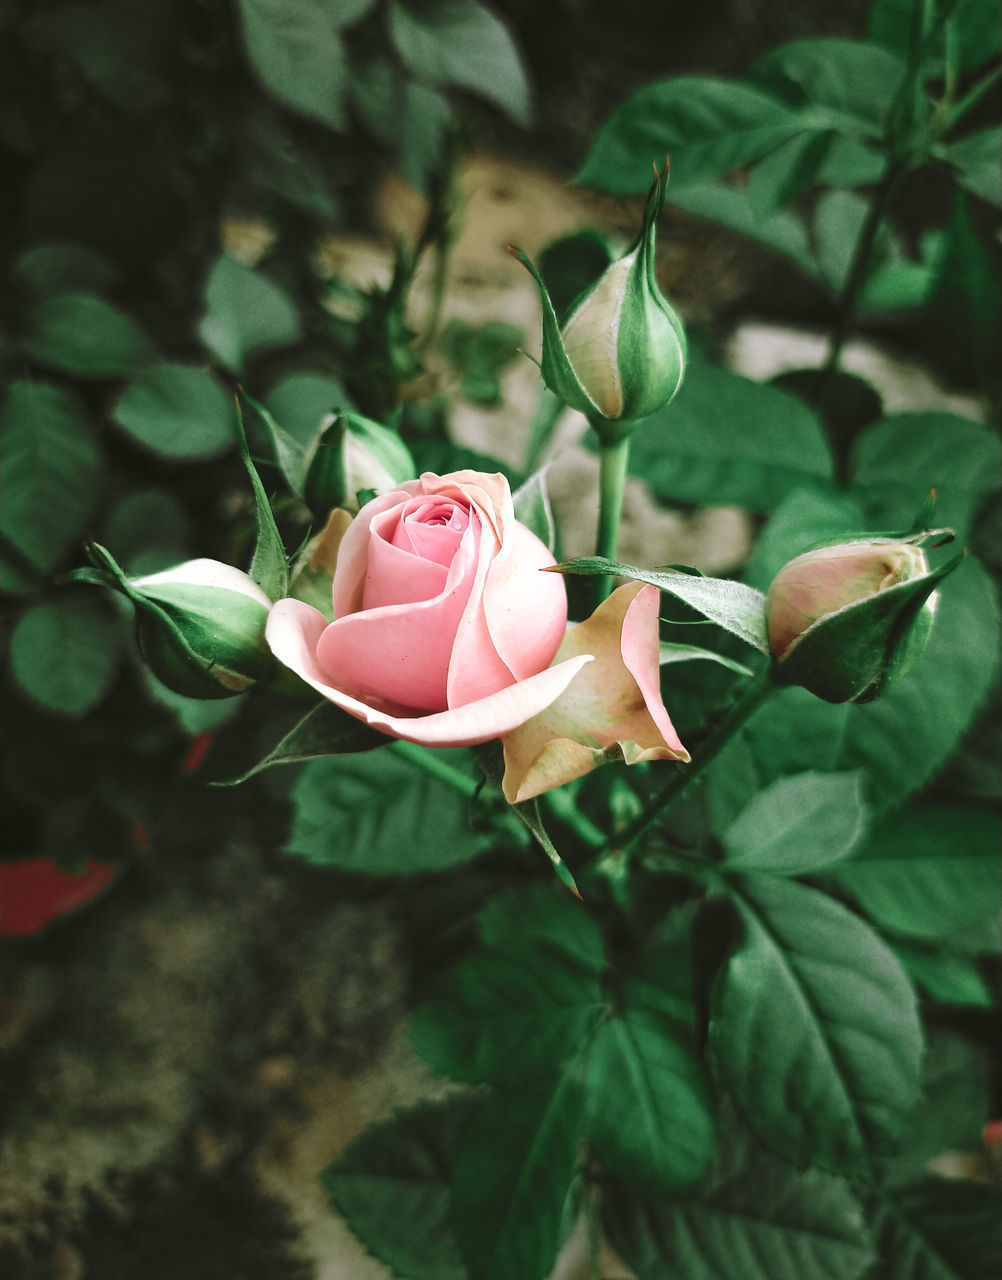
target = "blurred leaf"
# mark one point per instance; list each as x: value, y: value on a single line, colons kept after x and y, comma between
x: 347, y: 12
x: 838, y: 222
x: 269, y: 564
x: 856, y: 80
x: 790, y: 169
x: 572, y: 264
x: 976, y: 159
x: 732, y: 605
x: 51, y: 471
x: 850, y: 162
x: 650, y: 1118
x: 951, y: 1113
x: 301, y: 401
x: 148, y: 530
x: 49, y: 270
x: 900, y: 458
x: 732, y: 207
x: 512, y: 1180
x: 459, y: 43
x: 756, y: 1217
x: 975, y: 26
x: 939, y: 1229
x: 929, y: 872
x: 295, y: 49
x: 725, y: 438
x: 480, y: 354
x: 64, y: 654
x: 421, y: 133
x: 290, y: 455
x: 83, y: 334
x: 707, y: 126
x: 245, y: 313
x: 798, y: 825
x: 391, y: 1185
x: 815, y: 1030
x: 947, y: 977
x: 968, y: 297
x: 341, y: 818
x: 178, y: 411
x: 542, y: 915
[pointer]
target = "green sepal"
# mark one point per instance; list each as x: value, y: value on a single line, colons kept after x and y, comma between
x: 269, y: 565
x: 324, y: 731
x: 851, y: 654
x: 352, y: 456
x: 289, y: 453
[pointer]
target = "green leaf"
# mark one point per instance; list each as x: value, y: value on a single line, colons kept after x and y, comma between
x: 296, y: 51
x: 64, y: 654
x: 512, y: 1180
x: 671, y: 653
x: 177, y: 411
x: 756, y: 1218
x: 301, y: 401
x: 725, y: 438
x: 541, y: 915
x: 798, y: 825
x: 733, y: 207
x: 838, y: 222
x: 85, y: 335
x: 901, y: 457
x: 815, y: 1029
x: 324, y: 731
x: 975, y: 23
x: 784, y: 173
x: 731, y: 605
x: 245, y: 314
x: 951, y: 1113
x: 459, y: 43
x: 976, y: 159
x: 51, y: 269
x: 341, y: 818
x: 939, y: 1230
x: 855, y: 80
x: 50, y: 468
x: 945, y: 976
x: 148, y: 530
x: 707, y: 126
x: 269, y: 566
x: 391, y: 1185
x: 532, y: 508
x: 930, y: 872
x: 545, y: 999
x: 289, y: 453
x: 650, y: 1119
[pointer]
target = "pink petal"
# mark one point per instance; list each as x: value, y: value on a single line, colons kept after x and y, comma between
x: 294, y: 630
x: 525, y: 608
x: 613, y: 709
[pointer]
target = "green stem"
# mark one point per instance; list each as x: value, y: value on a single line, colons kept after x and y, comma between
x: 971, y: 98
x: 613, y: 456
x: 436, y: 767
x: 564, y: 807
x: 756, y: 695
x: 859, y: 267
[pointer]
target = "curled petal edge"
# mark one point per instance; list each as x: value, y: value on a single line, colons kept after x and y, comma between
x: 294, y: 629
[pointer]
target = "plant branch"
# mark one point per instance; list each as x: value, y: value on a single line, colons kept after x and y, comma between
x: 436, y: 767
x: 755, y: 695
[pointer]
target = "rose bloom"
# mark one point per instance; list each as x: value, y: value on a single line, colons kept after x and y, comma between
x: 446, y: 633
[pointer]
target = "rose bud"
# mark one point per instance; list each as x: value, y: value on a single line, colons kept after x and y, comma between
x: 845, y: 619
x: 200, y: 625
x: 352, y: 454
x: 620, y: 353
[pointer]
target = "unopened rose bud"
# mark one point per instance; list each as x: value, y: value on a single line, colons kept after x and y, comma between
x: 845, y: 619
x: 620, y: 353
x: 352, y: 454
x: 200, y: 625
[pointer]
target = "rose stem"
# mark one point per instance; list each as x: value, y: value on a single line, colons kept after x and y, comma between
x: 430, y: 763
x: 613, y: 456
x: 754, y: 696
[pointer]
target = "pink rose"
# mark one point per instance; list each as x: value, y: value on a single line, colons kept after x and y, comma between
x: 444, y: 627
x: 447, y: 633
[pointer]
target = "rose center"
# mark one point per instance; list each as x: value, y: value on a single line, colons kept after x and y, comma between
x: 432, y: 528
